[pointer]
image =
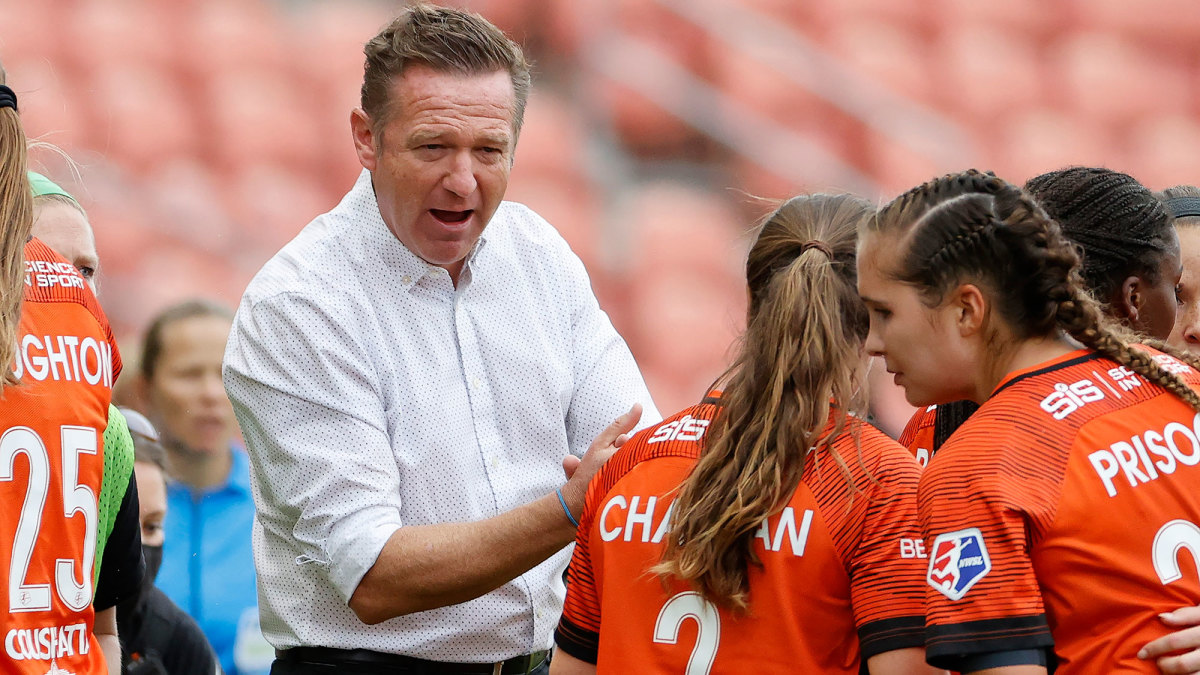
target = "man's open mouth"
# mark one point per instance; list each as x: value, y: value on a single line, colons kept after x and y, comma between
x: 452, y: 217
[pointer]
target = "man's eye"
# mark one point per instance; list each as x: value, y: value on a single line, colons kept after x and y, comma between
x: 87, y: 272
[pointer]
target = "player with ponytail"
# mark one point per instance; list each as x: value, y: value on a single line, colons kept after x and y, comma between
x: 769, y: 513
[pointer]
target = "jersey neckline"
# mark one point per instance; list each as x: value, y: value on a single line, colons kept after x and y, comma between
x: 1057, y: 363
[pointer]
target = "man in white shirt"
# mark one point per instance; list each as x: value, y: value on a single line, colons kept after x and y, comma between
x: 408, y: 383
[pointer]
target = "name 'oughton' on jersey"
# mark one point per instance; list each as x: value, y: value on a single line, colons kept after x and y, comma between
x: 68, y: 358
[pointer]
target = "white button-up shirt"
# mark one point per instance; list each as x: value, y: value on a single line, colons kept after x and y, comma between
x: 373, y: 394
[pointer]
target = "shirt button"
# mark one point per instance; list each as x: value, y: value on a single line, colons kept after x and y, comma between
x: 475, y: 383
x: 406, y: 278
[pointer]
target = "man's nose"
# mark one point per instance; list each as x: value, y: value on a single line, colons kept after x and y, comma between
x: 461, y: 177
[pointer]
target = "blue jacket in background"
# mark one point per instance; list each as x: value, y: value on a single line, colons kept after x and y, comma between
x: 208, y: 567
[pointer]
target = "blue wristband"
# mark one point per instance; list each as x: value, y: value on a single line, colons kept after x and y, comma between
x: 565, y: 509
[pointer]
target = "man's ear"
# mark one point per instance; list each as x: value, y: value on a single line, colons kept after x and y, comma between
x: 364, y: 138
x: 1126, y: 299
x: 971, y: 308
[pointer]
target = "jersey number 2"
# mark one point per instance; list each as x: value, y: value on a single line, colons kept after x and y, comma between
x: 1175, y: 535
x: 691, y: 605
x: 33, y: 597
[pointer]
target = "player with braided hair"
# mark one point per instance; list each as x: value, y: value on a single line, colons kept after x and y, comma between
x: 1131, y: 264
x: 974, y: 293
x: 1183, y: 201
x: 1131, y: 259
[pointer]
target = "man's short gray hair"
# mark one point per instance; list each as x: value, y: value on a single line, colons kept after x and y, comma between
x: 446, y: 40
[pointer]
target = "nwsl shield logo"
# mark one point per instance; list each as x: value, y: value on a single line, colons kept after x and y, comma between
x: 957, y: 561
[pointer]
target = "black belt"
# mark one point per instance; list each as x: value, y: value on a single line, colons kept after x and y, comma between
x: 409, y: 664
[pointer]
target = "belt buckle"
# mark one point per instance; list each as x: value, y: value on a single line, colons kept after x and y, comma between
x: 498, y: 668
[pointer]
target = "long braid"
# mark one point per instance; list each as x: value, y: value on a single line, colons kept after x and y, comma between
x: 975, y: 227
x: 1080, y: 318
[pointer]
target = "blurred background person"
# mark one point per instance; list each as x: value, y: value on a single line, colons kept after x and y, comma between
x: 208, y: 567
x: 1183, y: 201
x: 157, y: 638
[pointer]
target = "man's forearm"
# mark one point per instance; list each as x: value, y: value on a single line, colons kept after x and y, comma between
x: 423, y: 567
x: 428, y: 566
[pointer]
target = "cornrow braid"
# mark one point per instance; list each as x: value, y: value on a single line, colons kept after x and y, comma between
x: 1124, y: 229
x: 975, y: 227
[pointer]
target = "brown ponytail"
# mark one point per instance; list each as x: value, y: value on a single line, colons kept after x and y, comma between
x: 801, y: 355
x: 16, y: 223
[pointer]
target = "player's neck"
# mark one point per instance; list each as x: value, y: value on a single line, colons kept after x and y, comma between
x: 1022, y: 355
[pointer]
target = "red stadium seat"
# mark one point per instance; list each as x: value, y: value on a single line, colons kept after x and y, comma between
x: 1163, y: 151
x: 262, y: 118
x: 986, y: 71
x: 49, y: 112
x: 1043, y: 140
x: 685, y: 324
x: 1109, y: 79
x: 894, y: 58
x: 568, y: 205
x: 140, y: 117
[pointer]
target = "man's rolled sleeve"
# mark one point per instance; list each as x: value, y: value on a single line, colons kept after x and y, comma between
x: 310, y: 409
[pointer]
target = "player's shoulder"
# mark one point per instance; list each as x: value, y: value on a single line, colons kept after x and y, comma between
x: 870, y: 456
x: 923, y: 419
x: 679, y: 436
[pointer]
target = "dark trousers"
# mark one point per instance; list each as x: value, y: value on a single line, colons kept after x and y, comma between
x: 280, y: 667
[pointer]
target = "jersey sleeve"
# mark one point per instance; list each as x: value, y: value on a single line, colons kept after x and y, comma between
x: 977, y: 507
x: 886, y: 569
x: 118, y: 467
x: 917, y: 436
x: 578, y: 632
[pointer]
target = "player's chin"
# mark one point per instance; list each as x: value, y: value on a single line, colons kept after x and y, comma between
x: 915, y: 395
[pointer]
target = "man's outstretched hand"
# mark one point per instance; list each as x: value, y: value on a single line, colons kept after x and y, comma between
x: 579, y: 472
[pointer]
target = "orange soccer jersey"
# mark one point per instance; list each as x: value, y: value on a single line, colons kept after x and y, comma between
x: 918, y: 434
x: 51, y: 467
x: 840, y: 581
x: 1064, y: 513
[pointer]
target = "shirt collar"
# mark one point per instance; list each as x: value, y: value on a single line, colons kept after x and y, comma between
x: 378, y: 237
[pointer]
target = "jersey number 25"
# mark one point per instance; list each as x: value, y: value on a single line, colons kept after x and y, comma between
x: 76, y: 441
